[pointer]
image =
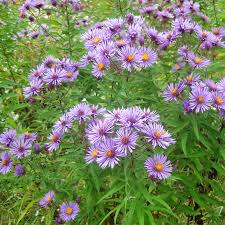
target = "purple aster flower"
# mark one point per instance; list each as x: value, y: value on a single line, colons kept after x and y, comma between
x: 148, y: 57
x: 92, y: 154
x: 211, y: 84
x: 148, y: 10
x: 98, y: 131
x: 34, y: 34
x: 221, y: 86
x: 64, y: 123
x: 55, y: 139
x: 54, y: 77
x: 19, y: 170
x: 99, y: 67
x: 164, y: 14
x: 121, y: 42
x: 69, y: 211
x: 173, y: 91
x: 200, y: 99
x: 70, y: 74
x: 183, y: 51
x: 178, y: 66
x: 126, y: 140
x: 186, y: 106
x: 150, y: 116
x: 48, y: 199
x: 37, y: 73
x: 50, y: 62
x: 201, y: 34
x: 218, y: 100
x: 157, y: 135
x: 33, y: 89
x: 158, y: 167
x: 7, y: 137
x: 114, y: 25
x: 5, y: 163
x: 96, y: 110
x: 129, y: 57
x: 88, y: 58
x: 20, y: 148
x: 154, y: 35
x: 222, y: 113
x: 196, y: 61
x: 29, y: 137
x: 191, y: 79
x: 106, y: 50
x: 132, y: 118
x: 108, y: 154
x: 80, y: 112
x: 182, y: 25
x: 218, y: 31
x: 113, y: 116
x: 134, y: 32
x: 36, y: 148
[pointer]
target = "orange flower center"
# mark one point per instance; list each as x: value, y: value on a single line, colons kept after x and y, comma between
x: 174, y: 91
x: 69, y: 74
x: 5, y: 162
x: 125, y: 140
x: 101, y: 66
x: 94, y: 153
x: 200, y: 99
x: 216, y: 31
x: 69, y: 211
x: 145, y: 57
x: 55, y: 138
x: 157, y: 134
x: 96, y: 40
x: 158, y: 167
x: 130, y: 57
x: 48, y: 199
x: 109, y: 153
x: 177, y: 67
x: 218, y: 100
x: 204, y: 34
x: 121, y: 42
x: 198, y: 60
x: 189, y: 78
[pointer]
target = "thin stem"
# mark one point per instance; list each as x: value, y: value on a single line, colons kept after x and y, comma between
x: 69, y: 33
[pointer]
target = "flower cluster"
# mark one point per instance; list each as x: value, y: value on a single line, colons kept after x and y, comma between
x: 118, y: 44
x: 15, y: 147
x: 198, y: 95
x: 114, y: 134
x: 51, y: 73
x: 68, y: 211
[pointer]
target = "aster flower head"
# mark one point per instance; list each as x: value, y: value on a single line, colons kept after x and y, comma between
x: 48, y: 199
x: 54, y: 77
x: 186, y: 106
x: 196, y: 61
x: 20, y: 148
x: 50, y: 62
x: 97, y: 110
x: 99, y: 67
x: 200, y: 99
x: 158, y: 167
x: 55, y: 139
x: 37, y: 73
x: 218, y: 31
x: 114, y: 25
x: 130, y: 58
x: 64, y: 123
x: 7, y: 137
x: 218, y: 100
x: 134, y: 32
x: 5, y: 163
x: 29, y: 137
x: 69, y: 211
x: 183, y: 51
x: 109, y: 155
x: 211, y: 84
x: 157, y: 135
x: 126, y: 140
x: 182, y: 25
x: 80, y: 112
x: 33, y: 89
x: 222, y: 113
x: 191, y: 79
x: 92, y: 154
x: 132, y: 118
x: 19, y: 170
x: 106, y: 50
x: 98, y: 131
x: 173, y: 91
x: 178, y: 66
x: 221, y: 86
x: 148, y: 57
x: 150, y: 116
x: 87, y: 58
x: 113, y: 116
x: 154, y: 35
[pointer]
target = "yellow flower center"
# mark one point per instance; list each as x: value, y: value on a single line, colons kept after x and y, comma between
x: 216, y: 31
x: 200, y: 99
x: 5, y: 162
x: 69, y: 211
x: 96, y: 40
x: 174, y: 91
x: 130, y: 57
x: 109, y: 153
x: 204, y: 34
x: 94, y: 153
x: 69, y: 74
x: 101, y: 66
x: 198, y: 60
x: 158, y: 167
x: 145, y: 57
x: 218, y: 100
x: 21, y: 14
x: 125, y: 140
x: 177, y: 67
x: 26, y: 134
x: 48, y: 199
x: 189, y: 78
x: 121, y: 42
x: 157, y: 134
